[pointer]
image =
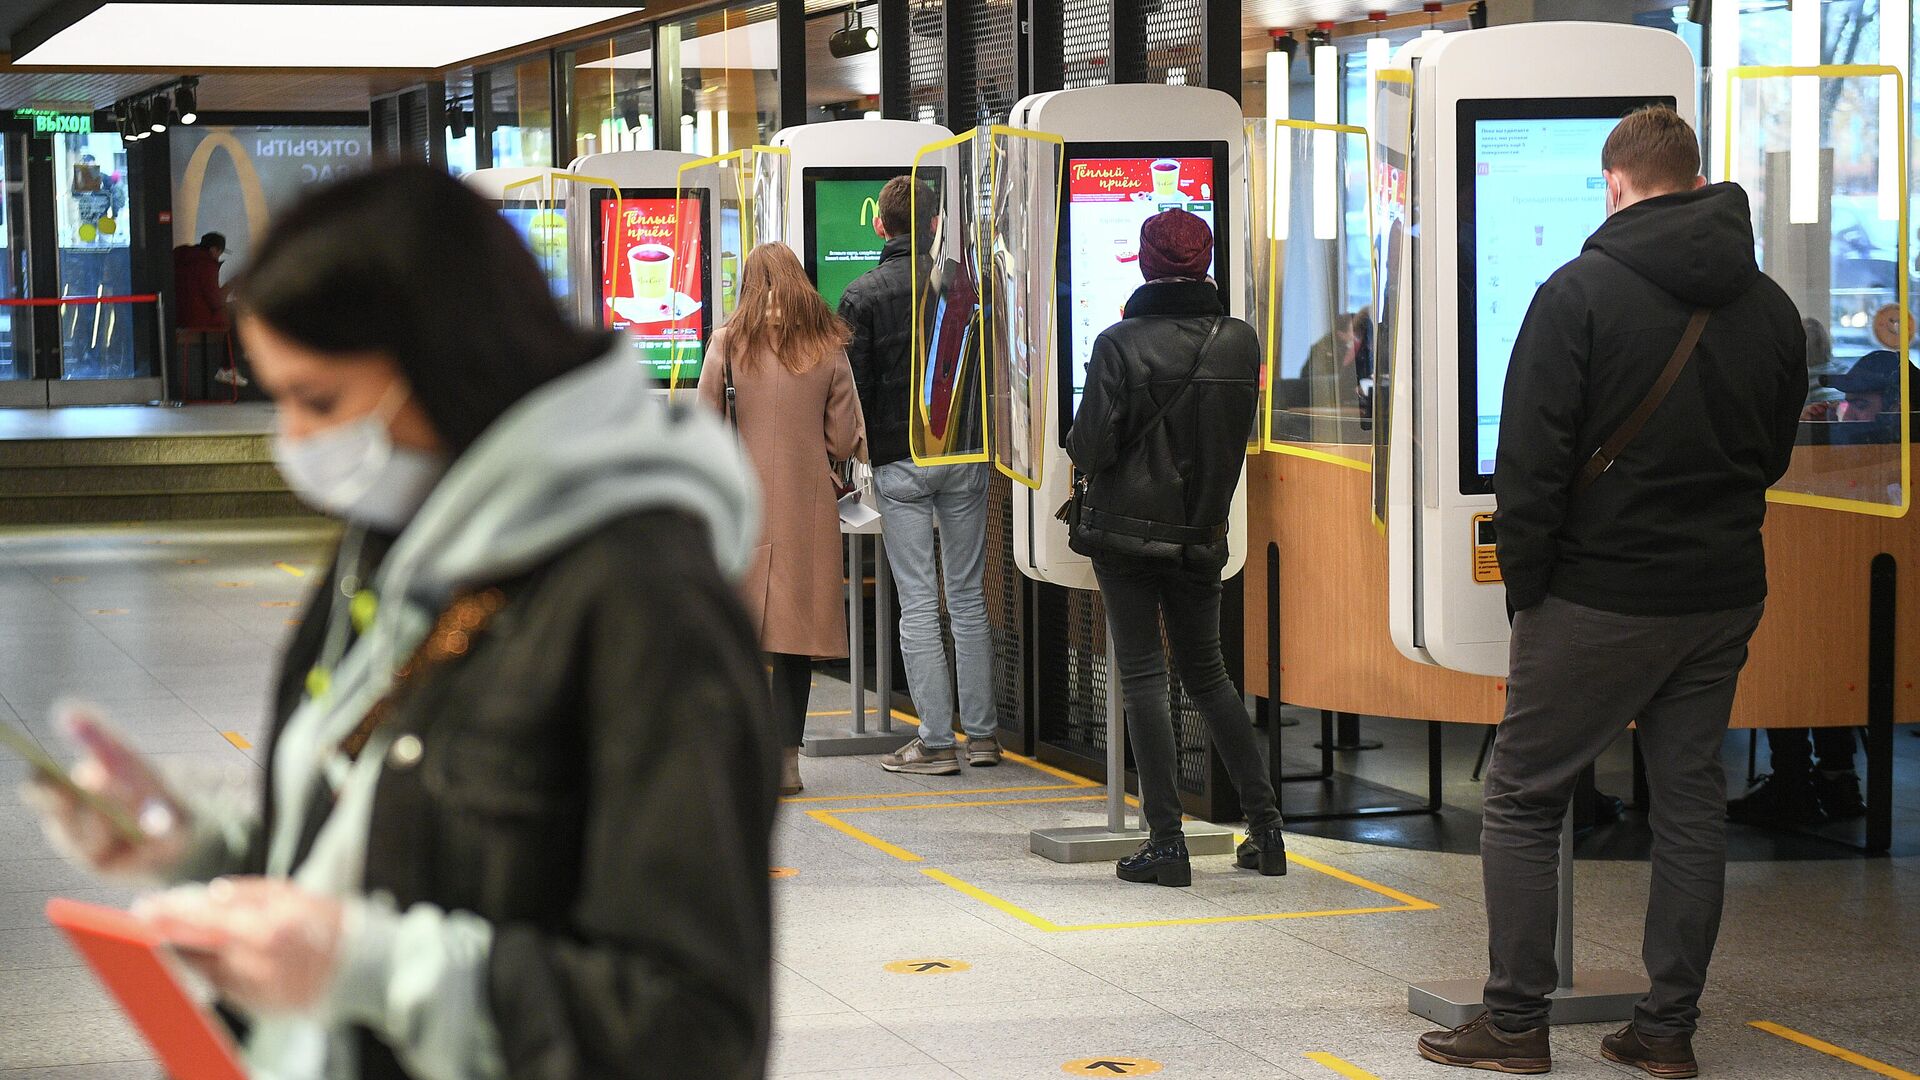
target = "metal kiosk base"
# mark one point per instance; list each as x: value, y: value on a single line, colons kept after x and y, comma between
x: 1594, y: 997
x: 856, y: 738
x: 1106, y: 843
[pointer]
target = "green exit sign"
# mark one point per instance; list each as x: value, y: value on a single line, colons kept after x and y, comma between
x: 50, y: 122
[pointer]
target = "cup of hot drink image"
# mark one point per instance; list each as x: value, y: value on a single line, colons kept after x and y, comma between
x: 652, y: 268
x: 1166, y: 178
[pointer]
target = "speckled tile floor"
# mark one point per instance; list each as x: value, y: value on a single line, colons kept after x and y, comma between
x: 972, y: 958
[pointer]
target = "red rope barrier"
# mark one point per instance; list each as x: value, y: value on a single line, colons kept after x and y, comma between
x: 61, y: 301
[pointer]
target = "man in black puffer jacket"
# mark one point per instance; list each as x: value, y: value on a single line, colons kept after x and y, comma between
x: 1634, y: 597
x: 878, y: 307
x: 1162, y: 438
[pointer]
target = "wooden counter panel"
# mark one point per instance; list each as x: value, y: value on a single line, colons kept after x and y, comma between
x: 1809, y: 657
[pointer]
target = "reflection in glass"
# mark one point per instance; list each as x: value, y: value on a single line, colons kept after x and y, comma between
x: 722, y: 65
x: 520, y: 115
x: 610, y: 85
x: 14, y: 352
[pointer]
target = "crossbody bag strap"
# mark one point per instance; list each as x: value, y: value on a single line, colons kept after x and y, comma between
x: 1609, y: 451
x: 1167, y: 405
x: 726, y: 370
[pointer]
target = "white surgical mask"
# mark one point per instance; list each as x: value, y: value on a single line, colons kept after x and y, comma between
x: 356, y: 473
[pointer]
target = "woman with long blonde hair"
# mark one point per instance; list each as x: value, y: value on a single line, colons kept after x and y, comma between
x: 778, y: 369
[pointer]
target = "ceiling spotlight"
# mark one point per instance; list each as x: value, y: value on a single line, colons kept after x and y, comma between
x: 854, y: 38
x: 456, y: 120
x: 142, y: 114
x: 159, y: 110
x: 187, y: 100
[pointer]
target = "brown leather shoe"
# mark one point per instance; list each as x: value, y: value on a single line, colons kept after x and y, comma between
x: 1480, y: 1044
x: 1669, y: 1057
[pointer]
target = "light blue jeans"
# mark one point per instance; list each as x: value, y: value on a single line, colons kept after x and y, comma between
x: 912, y: 499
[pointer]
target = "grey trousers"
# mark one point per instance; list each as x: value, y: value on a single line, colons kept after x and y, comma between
x: 1579, y: 676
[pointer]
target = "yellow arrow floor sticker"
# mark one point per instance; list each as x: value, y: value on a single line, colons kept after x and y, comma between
x: 929, y: 966
x: 1111, y: 1066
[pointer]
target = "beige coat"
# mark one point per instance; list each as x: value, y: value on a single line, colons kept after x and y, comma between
x: 791, y: 426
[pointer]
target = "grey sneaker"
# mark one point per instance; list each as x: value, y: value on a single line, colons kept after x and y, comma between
x: 916, y: 757
x: 983, y: 753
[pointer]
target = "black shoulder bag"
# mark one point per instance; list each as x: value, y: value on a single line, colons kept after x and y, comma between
x: 1070, y: 511
x: 1603, y: 458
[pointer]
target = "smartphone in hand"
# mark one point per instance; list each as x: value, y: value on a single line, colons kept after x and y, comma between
x: 52, y: 772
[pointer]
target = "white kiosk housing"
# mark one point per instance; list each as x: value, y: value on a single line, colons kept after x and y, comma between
x: 1131, y: 151
x: 1505, y: 188
x: 1502, y: 160
x: 834, y: 175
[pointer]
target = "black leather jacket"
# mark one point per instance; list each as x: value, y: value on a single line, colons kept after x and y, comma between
x: 597, y: 781
x: 1165, y: 493
x: 878, y: 306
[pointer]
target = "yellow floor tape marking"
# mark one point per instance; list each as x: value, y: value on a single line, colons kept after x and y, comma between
x: 1413, y: 903
x: 237, y: 739
x: 929, y: 793
x: 963, y: 805
x: 291, y: 569
x: 912, y: 722
x: 1344, y: 1068
x: 1078, y: 781
x: 826, y: 818
x: 1831, y: 1050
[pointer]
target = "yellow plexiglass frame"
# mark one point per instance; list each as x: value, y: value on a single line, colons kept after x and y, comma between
x: 744, y: 177
x: 1902, y: 278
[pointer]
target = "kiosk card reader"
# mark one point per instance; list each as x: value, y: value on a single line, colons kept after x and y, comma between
x: 1505, y: 188
x: 1132, y: 151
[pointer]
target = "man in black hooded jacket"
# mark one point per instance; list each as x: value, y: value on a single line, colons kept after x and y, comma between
x: 1634, y: 597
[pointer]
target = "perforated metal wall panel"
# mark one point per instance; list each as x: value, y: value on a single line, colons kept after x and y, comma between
x: 1175, y: 52
x: 1087, y: 42
x: 927, y: 65
x: 1006, y: 609
x: 988, y: 74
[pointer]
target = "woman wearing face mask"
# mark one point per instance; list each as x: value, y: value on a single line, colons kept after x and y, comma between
x: 521, y: 772
x: 779, y: 371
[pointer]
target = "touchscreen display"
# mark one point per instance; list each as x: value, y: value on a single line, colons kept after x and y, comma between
x: 650, y: 251
x: 841, y: 205
x: 1531, y: 194
x: 544, y: 230
x: 1111, y: 191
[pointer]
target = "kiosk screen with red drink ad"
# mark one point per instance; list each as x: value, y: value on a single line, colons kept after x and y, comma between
x: 1108, y: 199
x: 653, y: 266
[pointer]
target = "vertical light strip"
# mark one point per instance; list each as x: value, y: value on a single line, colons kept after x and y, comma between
x: 1896, y: 30
x: 1725, y: 49
x: 1326, y: 151
x: 1279, y: 144
x: 1376, y: 59
x: 1803, y: 151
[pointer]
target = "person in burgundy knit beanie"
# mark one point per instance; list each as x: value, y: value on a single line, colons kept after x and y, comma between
x: 1175, y: 244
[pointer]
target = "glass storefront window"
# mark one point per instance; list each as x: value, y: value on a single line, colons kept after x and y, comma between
x: 718, y: 75
x: 610, y: 89
x: 14, y: 358
x: 519, y: 114
x: 91, y: 196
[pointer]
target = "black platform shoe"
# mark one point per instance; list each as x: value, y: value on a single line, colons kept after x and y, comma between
x: 1158, y: 864
x: 1265, y: 851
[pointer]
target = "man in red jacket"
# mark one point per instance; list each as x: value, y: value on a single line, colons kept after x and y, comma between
x: 201, y: 300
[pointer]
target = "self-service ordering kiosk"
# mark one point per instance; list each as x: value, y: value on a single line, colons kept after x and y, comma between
x: 1497, y: 136
x: 1132, y: 151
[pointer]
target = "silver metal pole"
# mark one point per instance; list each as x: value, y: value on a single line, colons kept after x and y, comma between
x: 1116, y: 743
x: 883, y: 631
x: 856, y: 635
x: 166, y: 368
x: 1563, y: 945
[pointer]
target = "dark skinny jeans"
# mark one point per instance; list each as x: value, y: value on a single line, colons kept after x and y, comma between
x: 1138, y: 594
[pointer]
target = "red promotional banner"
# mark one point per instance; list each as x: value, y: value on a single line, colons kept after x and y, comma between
x: 1139, y: 179
x: 649, y: 284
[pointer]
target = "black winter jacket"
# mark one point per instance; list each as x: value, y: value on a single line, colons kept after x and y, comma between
x: 1165, y: 493
x: 1674, y: 527
x: 598, y: 782
x: 878, y: 306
